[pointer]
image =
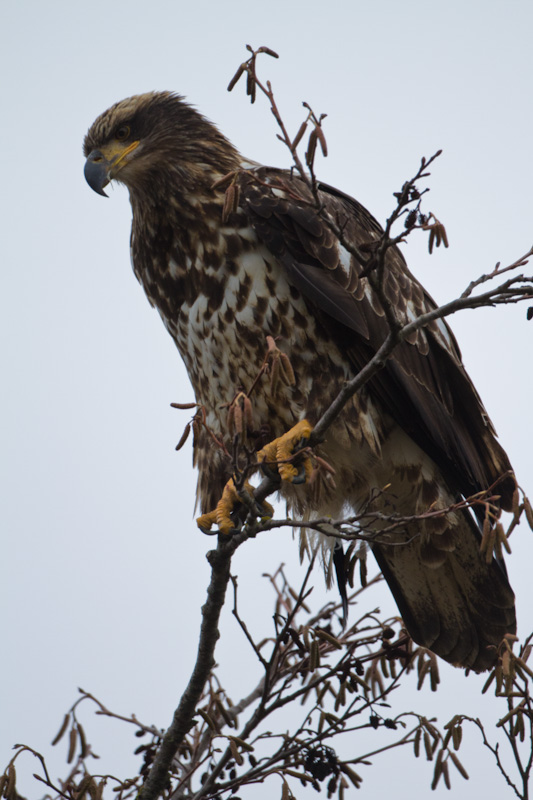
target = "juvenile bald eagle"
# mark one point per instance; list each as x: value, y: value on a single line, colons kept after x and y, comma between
x: 273, y: 267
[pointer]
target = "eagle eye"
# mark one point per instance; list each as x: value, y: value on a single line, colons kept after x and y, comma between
x: 122, y: 133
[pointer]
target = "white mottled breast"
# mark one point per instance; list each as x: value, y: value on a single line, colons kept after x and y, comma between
x: 224, y: 350
x: 223, y: 343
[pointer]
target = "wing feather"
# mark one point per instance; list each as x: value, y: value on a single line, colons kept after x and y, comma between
x: 424, y: 386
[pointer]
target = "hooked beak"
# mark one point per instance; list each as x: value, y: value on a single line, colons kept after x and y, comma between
x: 103, y: 165
x: 96, y: 171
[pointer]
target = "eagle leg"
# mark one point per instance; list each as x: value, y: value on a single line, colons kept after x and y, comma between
x: 282, y: 452
x: 224, y: 515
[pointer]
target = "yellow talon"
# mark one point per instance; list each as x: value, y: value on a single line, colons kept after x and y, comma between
x: 206, y: 521
x: 221, y: 515
x: 280, y: 452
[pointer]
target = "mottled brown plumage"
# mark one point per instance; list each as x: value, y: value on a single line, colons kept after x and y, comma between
x: 275, y: 268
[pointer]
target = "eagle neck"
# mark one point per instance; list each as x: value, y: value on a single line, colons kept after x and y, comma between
x: 176, y: 237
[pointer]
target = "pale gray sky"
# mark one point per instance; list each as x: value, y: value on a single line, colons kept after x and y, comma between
x: 103, y: 567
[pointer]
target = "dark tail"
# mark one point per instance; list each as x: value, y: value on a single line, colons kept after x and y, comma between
x: 462, y: 608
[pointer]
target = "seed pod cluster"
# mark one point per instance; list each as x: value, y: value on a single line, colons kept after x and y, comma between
x: 279, y: 366
x: 240, y: 415
x: 315, y: 137
x: 299, y: 136
x: 437, y: 234
x: 10, y: 782
x: 61, y: 732
x: 231, y: 201
x: 428, y: 665
x: 493, y: 535
x: 184, y: 436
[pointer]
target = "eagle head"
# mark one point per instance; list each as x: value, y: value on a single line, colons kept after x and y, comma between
x: 152, y: 139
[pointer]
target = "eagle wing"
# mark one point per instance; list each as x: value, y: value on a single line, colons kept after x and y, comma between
x: 423, y: 386
x: 456, y: 604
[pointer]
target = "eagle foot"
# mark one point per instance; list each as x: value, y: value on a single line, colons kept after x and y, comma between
x: 282, y: 452
x: 226, y: 514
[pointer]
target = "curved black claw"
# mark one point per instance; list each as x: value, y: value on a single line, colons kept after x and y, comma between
x: 207, y: 531
x: 270, y: 473
x: 300, y: 478
x: 237, y: 517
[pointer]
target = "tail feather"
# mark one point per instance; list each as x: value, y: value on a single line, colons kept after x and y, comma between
x: 460, y: 610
